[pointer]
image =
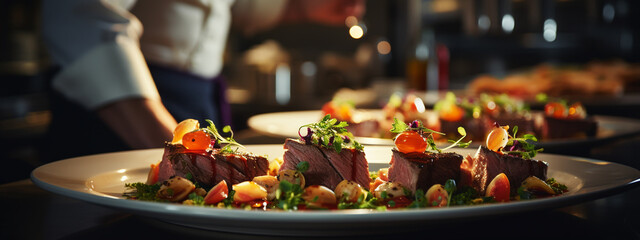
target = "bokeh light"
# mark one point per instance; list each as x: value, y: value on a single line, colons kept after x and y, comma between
x: 356, y: 32
x: 383, y: 47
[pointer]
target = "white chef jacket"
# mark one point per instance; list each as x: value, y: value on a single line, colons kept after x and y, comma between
x: 99, y: 47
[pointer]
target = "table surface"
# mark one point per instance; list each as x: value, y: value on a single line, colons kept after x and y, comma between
x: 29, y: 212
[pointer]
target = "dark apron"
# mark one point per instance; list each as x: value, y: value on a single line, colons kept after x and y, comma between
x: 75, y: 131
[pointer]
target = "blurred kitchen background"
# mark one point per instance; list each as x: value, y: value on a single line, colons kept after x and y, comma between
x: 422, y: 45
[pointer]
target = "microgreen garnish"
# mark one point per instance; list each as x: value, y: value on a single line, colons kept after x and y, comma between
x: 470, y: 106
x: 289, y: 196
x: 400, y: 127
x: 503, y: 103
x: 524, y: 194
x: 365, y: 201
x: 522, y: 146
x: 463, y: 133
x: 302, y: 166
x: 329, y: 133
x: 196, y: 199
x: 141, y: 191
x: 556, y: 186
x: 450, y: 187
x: 229, y: 141
x: 419, y: 200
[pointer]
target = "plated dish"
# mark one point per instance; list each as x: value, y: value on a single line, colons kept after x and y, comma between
x: 100, y: 179
x: 610, y: 128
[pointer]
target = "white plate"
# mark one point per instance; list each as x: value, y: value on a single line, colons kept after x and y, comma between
x: 100, y: 179
x: 286, y: 124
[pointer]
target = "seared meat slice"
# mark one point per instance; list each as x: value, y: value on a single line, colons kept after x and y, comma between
x: 326, y: 166
x: 554, y: 128
x: 475, y: 128
x: 209, y: 168
x: 487, y: 164
x: 423, y: 170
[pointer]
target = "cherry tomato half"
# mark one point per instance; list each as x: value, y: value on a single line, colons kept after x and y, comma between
x: 576, y: 111
x: 410, y: 141
x: 452, y: 114
x: 555, y: 109
x: 196, y: 140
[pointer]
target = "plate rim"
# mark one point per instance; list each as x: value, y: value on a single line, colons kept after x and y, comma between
x: 171, y: 212
x: 555, y: 143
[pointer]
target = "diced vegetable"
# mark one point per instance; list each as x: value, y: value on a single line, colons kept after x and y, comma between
x: 217, y: 193
x: 248, y: 191
x: 499, y: 188
x: 176, y: 189
x: 152, y: 178
x: 437, y: 196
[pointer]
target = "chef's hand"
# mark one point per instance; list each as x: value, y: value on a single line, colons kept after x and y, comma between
x: 331, y: 12
x: 141, y: 123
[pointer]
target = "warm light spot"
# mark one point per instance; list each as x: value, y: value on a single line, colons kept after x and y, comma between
x: 476, y: 114
x: 444, y: 6
x: 356, y: 32
x: 351, y: 21
x: 384, y: 47
x: 123, y: 178
x: 121, y: 170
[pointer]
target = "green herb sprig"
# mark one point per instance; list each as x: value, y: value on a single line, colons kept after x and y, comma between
x: 142, y: 191
x: 289, y: 196
x: 365, y: 201
x: 527, y: 149
x: 330, y: 133
x: 228, y: 142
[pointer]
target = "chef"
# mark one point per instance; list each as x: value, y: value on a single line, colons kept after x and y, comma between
x: 129, y: 70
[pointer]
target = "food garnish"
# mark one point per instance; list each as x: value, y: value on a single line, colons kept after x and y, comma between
x: 329, y: 133
x: 522, y: 146
x: 562, y: 110
x: 502, y: 103
x: 417, y: 138
x: 192, y: 137
x: 228, y: 142
x: 288, y: 191
x: 453, y: 109
x: 499, y: 140
x: 341, y: 110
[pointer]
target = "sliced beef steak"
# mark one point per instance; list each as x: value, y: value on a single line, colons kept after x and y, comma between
x: 423, y: 170
x: 526, y: 123
x: 487, y: 164
x: 209, y: 168
x: 326, y: 166
x: 554, y: 128
x: 475, y: 128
